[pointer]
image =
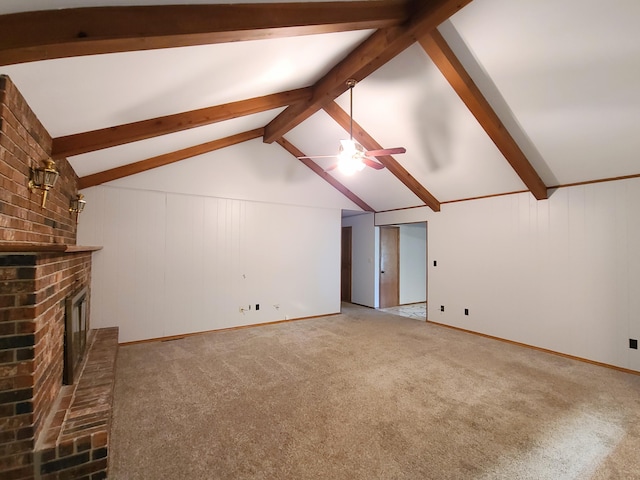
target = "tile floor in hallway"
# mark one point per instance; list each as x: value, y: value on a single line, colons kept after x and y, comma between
x: 413, y: 310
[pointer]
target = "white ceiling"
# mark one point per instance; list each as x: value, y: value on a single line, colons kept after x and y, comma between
x: 569, y: 71
x: 562, y: 76
x: 100, y: 91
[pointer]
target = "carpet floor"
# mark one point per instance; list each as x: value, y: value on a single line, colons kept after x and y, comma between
x: 367, y: 395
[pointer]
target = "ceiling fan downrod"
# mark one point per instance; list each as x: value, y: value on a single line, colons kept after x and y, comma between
x: 350, y: 84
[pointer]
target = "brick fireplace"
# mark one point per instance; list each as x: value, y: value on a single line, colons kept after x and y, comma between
x: 47, y: 429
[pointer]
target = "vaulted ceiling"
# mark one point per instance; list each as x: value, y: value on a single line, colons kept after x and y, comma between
x: 488, y: 96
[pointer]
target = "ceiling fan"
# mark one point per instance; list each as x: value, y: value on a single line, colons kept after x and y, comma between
x: 352, y: 157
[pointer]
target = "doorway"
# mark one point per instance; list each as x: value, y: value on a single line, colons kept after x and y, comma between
x: 345, y: 264
x: 411, y: 252
x: 389, y: 266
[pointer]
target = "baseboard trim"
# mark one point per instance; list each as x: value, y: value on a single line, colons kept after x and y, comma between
x: 540, y: 349
x: 240, y: 327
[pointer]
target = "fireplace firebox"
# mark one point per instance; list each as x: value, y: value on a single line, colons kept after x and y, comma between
x: 76, y: 329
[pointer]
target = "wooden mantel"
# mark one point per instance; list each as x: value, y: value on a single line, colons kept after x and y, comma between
x: 45, y: 248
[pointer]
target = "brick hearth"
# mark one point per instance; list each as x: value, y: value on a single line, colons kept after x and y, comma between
x: 75, y: 440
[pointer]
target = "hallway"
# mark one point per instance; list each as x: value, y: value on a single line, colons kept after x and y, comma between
x: 412, y: 310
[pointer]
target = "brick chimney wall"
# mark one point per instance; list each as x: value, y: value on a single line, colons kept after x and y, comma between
x: 33, y: 285
x: 24, y: 143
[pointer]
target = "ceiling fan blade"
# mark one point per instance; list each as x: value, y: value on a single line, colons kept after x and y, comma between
x: 385, y: 151
x: 316, y: 156
x: 331, y: 167
x: 372, y: 163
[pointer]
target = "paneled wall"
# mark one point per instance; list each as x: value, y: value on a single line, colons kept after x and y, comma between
x: 561, y: 274
x: 175, y: 264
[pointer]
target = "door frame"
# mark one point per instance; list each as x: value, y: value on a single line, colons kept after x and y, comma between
x: 346, y: 265
x: 426, y: 265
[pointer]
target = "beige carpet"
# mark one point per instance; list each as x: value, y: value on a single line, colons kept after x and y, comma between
x: 367, y: 395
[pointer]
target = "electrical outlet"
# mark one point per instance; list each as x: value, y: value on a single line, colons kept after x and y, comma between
x: 633, y: 343
x: 435, y: 263
x: 442, y: 308
x: 466, y: 311
x: 257, y: 306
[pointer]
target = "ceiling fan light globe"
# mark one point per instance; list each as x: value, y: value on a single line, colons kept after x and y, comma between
x: 348, y: 148
x: 346, y: 168
x: 344, y: 158
x: 348, y: 165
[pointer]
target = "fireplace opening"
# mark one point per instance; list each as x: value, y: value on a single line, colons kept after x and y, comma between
x: 75, y: 338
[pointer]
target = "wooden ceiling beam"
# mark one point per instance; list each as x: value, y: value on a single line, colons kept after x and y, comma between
x: 131, y: 132
x: 445, y: 59
x: 378, y: 49
x: 48, y: 34
x: 289, y: 147
x: 368, y: 142
x: 166, y: 159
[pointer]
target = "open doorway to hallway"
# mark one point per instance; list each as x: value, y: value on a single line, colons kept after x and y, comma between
x: 403, y: 270
x: 363, y: 236
x: 414, y: 310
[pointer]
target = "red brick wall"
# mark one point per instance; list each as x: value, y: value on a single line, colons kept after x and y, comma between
x: 33, y: 286
x: 32, y: 294
x: 24, y: 143
x: 33, y: 289
x: 58, y: 277
x: 16, y: 364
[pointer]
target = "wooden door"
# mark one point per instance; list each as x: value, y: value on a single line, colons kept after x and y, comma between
x: 389, y: 266
x: 345, y: 265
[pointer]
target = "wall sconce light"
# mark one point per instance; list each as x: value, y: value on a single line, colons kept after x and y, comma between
x: 43, y: 178
x: 77, y: 205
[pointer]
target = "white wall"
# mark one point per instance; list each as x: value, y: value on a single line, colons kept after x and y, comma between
x: 175, y: 264
x: 251, y: 170
x: 561, y: 274
x: 413, y: 263
x: 365, y: 259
